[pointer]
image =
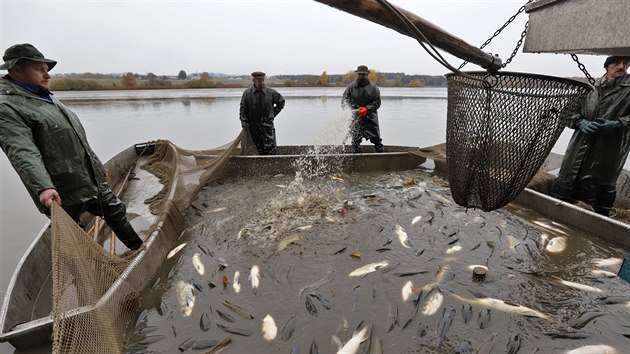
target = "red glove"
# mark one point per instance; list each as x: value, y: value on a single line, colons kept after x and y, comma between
x: 363, y: 111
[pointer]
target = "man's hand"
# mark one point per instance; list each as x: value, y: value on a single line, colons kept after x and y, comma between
x: 606, y: 126
x: 587, y: 127
x: 47, y: 196
x: 363, y: 111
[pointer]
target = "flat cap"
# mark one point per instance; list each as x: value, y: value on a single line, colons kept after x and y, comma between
x: 362, y: 69
x: 258, y: 74
x: 615, y: 59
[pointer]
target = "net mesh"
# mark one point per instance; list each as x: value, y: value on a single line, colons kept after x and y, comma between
x: 500, y: 129
x: 95, y: 292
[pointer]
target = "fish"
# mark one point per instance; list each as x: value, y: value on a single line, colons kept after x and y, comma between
x: 355, y: 295
x: 488, y: 345
x: 581, y: 320
x: 407, y: 291
x: 368, y: 268
x: 198, y: 264
x: 402, y: 236
x: 576, y: 285
x: 186, y: 297
x: 288, y: 328
x: 224, y: 343
x: 416, y: 219
x: 196, y: 284
x: 607, y: 262
x: 433, y: 303
x: 514, y: 344
x: 204, y: 322
x: 225, y: 316
x: 603, y: 273
x: 464, y: 347
x: 467, y: 312
x: 444, y: 274
x: 503, y: 306
x: 187, y: 344
x: 236, y: 282
x: 445, y: 323
x: 378, y: 346
x: 340, y: 251
x: 269, y: 329
x: 314, y: 349
x: 483, y: 318
x: 328, y: 277
x: 238, y: 310
x: 204, y: 344
x: 325, y: 302
x: 593, y: 349
x: 454, y: 249
x: 392, y: 315
x: 287, y: 241
x: 239, y: 331
x: 611, y: 300
x: 352, y: 346
x: 254, y: 276
x: 422, y: 330
x: 179, y: 248
x: 310, y: 307
x: 556, y: 245
x: 205, y: 250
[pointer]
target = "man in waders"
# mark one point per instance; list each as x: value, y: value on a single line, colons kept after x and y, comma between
x: 364, y: 98
x: 600, y: 144
x: 47, y: 146
x: 260, y: 105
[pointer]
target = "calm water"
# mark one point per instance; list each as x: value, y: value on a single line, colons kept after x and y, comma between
x: 207, y: 118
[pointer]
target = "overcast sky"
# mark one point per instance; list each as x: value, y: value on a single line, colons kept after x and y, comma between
x: 275, y: 36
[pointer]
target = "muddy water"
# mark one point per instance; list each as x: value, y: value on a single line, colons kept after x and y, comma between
x: 306, y: 235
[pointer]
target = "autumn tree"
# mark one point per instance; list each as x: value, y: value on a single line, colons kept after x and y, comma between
x: 323, y: 79
x: 129, y: 80
x: 348, y: 77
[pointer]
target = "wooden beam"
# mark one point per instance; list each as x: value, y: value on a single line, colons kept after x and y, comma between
x: 371, y: 10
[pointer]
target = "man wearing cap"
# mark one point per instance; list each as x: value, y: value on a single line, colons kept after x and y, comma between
x: 600, y: 144
x: 364, y: 98
x: 260, y: 105
x: 47, y: 146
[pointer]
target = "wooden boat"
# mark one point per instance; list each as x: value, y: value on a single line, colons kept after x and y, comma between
x: 25, y: 317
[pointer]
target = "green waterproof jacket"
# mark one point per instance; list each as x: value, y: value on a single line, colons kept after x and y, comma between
x: 46, y: 144
x: 600, y: 157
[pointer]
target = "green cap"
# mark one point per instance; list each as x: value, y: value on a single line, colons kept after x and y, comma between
x: 258, y: 74
x: 24, y: 51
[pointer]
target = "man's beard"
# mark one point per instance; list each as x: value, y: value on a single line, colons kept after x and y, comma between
x: 363, y: 82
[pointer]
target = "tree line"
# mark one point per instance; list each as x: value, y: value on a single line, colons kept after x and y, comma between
x: 129, y: 80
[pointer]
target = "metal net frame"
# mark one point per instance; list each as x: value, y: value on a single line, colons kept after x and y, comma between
x: 500, y: 128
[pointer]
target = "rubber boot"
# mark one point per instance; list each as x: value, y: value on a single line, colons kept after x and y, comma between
x: 602, y: 211
x: 127, y: 235
x: 378, y: 147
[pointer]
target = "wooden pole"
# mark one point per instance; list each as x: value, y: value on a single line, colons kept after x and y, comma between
x: 371, y: 10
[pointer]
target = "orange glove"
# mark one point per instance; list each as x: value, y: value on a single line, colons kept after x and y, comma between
x: 363, y: 111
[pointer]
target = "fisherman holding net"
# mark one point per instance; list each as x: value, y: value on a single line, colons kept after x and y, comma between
x: 599, y: 147
x: 46, y: 144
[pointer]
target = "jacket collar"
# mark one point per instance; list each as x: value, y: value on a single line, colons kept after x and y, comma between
x: 10, y: 87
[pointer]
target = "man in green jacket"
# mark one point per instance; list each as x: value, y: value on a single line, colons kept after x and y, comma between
x: 599, y: 147
x: 46, y: 144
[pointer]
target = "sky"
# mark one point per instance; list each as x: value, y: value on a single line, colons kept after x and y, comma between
x: 237, y: 37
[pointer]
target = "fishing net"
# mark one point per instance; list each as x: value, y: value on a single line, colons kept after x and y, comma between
x: 500, y: 129
x: 95, y: 292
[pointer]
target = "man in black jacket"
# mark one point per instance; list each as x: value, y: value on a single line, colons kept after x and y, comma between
x: 600, y: 144
x: 364, y: 98
x: 259, y: 106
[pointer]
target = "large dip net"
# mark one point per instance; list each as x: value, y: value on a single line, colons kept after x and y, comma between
x: 500, y: 129
x: 95, y: 291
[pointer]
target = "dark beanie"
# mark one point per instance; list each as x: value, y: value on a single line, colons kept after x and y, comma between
x: 614, y: 59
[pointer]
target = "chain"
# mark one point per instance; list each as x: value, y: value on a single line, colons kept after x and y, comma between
x: 583, y: 68
x: 507, y: 23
